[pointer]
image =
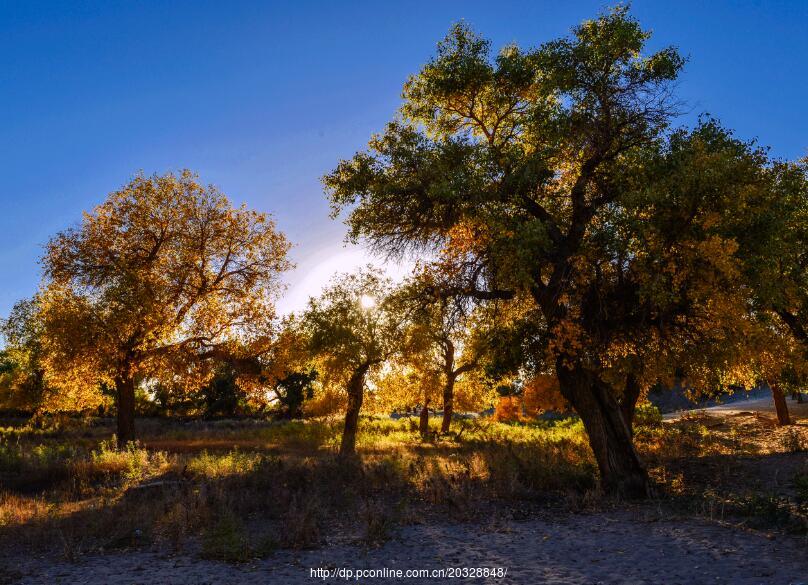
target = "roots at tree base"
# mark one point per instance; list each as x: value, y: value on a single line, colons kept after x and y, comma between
x: 621, y: 471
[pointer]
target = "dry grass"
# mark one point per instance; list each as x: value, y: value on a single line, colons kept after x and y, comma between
x: 238, y: 490
x: 740, y: 468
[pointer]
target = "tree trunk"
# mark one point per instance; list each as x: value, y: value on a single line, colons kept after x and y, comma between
x: 448, y: 403
x: 780, y: 406
x: 423, y: 423
x: 621, y: 472
x: 125, y: 391
x: 628, y: 402
x: 356, y: 394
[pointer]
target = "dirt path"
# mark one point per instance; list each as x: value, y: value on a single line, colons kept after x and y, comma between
x: 763, y: 405
x: 608, y: 548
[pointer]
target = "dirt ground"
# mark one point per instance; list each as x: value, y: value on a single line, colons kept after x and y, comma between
x: 763, y: 405
x: 638, y: 546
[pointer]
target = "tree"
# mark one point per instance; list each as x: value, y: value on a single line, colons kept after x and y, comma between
x: 776, y: 264
x: 221, y: 396
x: 447, y: 337
x: 292, y: 390
x: 550, y: 177
x: 162, y: 275
x: 353, y: 330
x: 22, y: 384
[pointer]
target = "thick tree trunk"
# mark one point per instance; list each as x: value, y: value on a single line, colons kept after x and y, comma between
x: 628, y: 402
x: 356, y: 394
x: 621, y: 472
x: 780, y: 406
x: 448, y: 404
x: 125, y: 393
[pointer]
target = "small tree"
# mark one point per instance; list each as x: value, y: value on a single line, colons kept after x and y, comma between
x: 292, y: 390
x: 163, y: 274
x: 221, y: 396
x: 447, y: 336
x: 22, y: 384
x: 353, y: 331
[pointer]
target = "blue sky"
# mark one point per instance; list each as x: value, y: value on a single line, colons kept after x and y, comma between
x: 263, y: 98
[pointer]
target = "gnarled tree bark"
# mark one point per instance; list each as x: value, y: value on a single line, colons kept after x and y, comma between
x: 125, y: 403
x: 448, y: 402
x: 780, y: 405
x: 621, y: 472
x: 356, y: 395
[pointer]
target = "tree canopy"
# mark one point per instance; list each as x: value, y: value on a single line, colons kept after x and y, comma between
x: 163, y: 274
x: 552, y: 177
x: 353, y: 329
x: 575, y: 248
x: 22, y: 384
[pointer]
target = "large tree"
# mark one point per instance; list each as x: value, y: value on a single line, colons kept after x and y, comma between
x: 776, y: 263
x: 551, y: 177
x: 353, y: 330
x: 163, y: 274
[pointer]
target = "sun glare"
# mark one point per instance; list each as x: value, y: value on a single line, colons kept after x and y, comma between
x: 367, y: 302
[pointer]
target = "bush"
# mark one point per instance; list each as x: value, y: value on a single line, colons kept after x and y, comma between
x: 647, y: 415
x: 217, y: 466
x: 226, y: 540
x: 129, y: 465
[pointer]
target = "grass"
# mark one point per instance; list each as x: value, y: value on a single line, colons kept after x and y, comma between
x: 244, y: 489
x: 216, y: 466
x: 226, y: 540
x: 741, y: 469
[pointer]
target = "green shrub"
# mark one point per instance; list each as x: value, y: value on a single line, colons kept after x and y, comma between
x: 214, y: 466
x: 647, y: 415
x: 226, y: 540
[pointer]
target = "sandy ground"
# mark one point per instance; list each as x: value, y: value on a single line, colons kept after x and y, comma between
x: 618, y: 547
x: 764, y: 405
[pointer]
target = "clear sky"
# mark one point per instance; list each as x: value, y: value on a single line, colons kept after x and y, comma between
x: 263, y: 98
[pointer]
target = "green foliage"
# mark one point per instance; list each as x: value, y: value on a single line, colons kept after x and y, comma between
x: 292, y: 390
x: 534, y: 164
x: 226, y: 540
x: 131, y: 464
x: 22, y: 384
x: 647, y: 415
x: 344, y: 332
x: 551, y: 180
x: 214, y: 466
x: 222, y: 396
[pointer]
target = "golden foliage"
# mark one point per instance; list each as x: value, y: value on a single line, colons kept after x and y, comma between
x: 542, y: 393
x: 163, y: 273
x: 508, y: 409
